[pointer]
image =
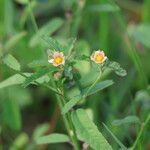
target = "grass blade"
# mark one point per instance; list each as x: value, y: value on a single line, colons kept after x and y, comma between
x: 115, y: 138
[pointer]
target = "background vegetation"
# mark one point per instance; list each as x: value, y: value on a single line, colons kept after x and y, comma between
x: 119, y: 27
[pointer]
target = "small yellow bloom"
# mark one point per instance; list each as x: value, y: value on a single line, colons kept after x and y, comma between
x: 57, y: 59
x: 98, y: 57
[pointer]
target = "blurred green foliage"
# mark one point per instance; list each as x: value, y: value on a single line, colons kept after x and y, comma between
x: 120, y: 28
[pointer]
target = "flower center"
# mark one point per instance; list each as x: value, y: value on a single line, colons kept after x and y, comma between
x: 58, y: 60
x: 99, y: 57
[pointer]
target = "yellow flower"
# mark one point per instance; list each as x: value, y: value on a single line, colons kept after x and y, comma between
x: 57, y: 59
x: 98, y: 57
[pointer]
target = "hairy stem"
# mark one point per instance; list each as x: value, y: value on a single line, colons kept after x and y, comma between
x: 68, y: 123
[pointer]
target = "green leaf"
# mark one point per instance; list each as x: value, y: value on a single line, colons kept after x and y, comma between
x: 47, y: 29
x: 36, y: 76
x: 53, y: 44
x: 76, y: 99
x: 70, y: 104
x: 11, y: 62
x: 43, y: 79
x: 117, y: 68
x: 126, y: 120
x: 20, y: 142
x: 19, y: 79
x: 98, y: 87
x: 38, y: 63
x: 88, y: 131
x: 69, y: 46
x: 40, y: 130
x: 53, y: 138
x: 13, y: 80
x: 103, y: 8
x: 115, y: 138
x: 14, y: 40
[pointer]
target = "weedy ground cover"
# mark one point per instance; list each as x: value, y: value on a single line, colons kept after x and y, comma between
x: 74, y: 74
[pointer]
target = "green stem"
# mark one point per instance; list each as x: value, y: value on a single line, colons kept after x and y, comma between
x: 45, y: 85
x: 98, y: 77
x: 73, y: 133
x: 141, y: 131
x: 68, y: 121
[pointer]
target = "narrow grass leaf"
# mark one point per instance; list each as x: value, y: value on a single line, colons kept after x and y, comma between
x: 88, y: 131
x: 11, y: 62
x: 126, y: 120
x: 98, y: 87
x: 53, y: 138
x: 115, y: 138
x: 47, y: 29
x: 131, y: 50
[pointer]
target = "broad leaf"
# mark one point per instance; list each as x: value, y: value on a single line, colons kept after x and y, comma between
x: 13, y: 80
x: 99, y: 86
x: 36, y: 76
x: 115, y: 138
x: 86, y: 92
x: 38, y: 63
x: 53, y: 138
x: 66, y: 46
x: 47, y: 29
x: 88, y: 131
x: 11, y: 62
x: 40, y: 130
x: 20, y: 141
x: 117, y: 68
x: 126, y: 120
x: 19, y: 79
x: 69, y: 46
x: 53, y: 44
x: 70, y: 104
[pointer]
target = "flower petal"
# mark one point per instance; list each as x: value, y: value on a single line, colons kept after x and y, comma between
x: 51, y: 61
